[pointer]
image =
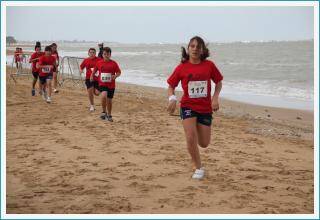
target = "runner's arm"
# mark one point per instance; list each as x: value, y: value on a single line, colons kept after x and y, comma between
x: 32, y: 60
x: 172, y: 100
x: 116, y: 75
x: 215, y: 97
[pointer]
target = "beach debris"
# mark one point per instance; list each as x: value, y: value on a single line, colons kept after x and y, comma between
x: 299, y: 118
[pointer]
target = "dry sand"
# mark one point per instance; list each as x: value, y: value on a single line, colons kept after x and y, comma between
x: 62, y: 159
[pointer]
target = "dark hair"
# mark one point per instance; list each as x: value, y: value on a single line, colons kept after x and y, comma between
x: 205, y: 50
x: 37, y: 46
x: 107, y: 49
x: 53, y: 45
x: 92, y: 49
x: 38, y: 43
x: 48, y: 48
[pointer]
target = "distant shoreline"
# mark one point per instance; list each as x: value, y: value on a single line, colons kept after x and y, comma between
x: 169, y: 43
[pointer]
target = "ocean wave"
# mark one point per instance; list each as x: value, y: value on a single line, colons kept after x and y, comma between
x: 266, y: 64
x: 272, y: 88
x: 143, y: 53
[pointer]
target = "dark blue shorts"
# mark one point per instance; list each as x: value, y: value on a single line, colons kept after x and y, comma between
x: 202, y: 118
x: 91, y: 84
x: 110, y: 92
x: 35, y: 75
x: 43, y: 79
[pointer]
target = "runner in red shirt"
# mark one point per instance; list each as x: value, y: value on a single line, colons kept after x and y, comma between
x: 55, y: 70
x: 92, y: 86
x: 18, y: 58
x: 195, y: 73
x: 108, y: 71
x: 34, y: 59
x: 46, y: 65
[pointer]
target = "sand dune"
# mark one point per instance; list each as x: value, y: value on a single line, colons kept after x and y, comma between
x: 63, y: 159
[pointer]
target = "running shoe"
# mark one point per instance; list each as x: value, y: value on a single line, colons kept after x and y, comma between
x: 48, y: 100
x: 198, y: 174
x: 92, y: 108
x: 33, y: 92
x: 44, y: 95
x: 103, y: 116
x: 109, y: 117
x: 55, y: 91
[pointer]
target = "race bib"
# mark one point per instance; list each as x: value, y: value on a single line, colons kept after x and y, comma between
x: 198, y: 89
x: 45, y: 69
x: 105, y: 77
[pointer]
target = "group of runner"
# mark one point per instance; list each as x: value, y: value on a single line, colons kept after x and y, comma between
x: 45, y: 68
x: 195, y: 72
x: 101, y: 73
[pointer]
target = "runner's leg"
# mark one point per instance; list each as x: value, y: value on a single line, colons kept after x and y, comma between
x: 190, y: 130
x: 204, y: 134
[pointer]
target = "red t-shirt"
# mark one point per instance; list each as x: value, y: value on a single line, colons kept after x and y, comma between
x: 55, y: 55
x: 106, y: 69
x: 90, y: 64
x: 34, y: 63
x: 18, y: 56
x: 196, y: 84
x: 49, y: 63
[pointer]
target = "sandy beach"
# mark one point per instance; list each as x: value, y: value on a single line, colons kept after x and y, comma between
x: 62, y: 159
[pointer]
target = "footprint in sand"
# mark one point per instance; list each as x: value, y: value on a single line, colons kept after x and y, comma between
x: 138, y: 152
x: 126, y: 164
x: 23, y: 156
x: 62, y: 141
x: 166, y: 147
x: 256, y: 176
x: 144, y: 188
x: 290, y: 151
x: 132, y: 177
x: 164, y: 202
x: 82, y: 171
x: 82, y: 157
x: 148, y: 177
x: 77, y: 147
x: 64, y: 122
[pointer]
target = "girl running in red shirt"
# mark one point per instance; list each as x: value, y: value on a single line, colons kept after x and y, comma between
x: 55, y: 71
x: 34, y: 59
x: 92, y: 85
x: 18, y: 58
x: 108, y: 72
x: 195, y: 73
x: 46, y: 64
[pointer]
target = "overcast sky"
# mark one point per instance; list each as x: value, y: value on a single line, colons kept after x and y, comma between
x: 159, y: 24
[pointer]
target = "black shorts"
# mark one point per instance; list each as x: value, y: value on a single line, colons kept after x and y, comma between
x: 35, y: 75
x: 43, y: 79
x: 110, y: 92
x: 202, y: 118
x: 91, y: 84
